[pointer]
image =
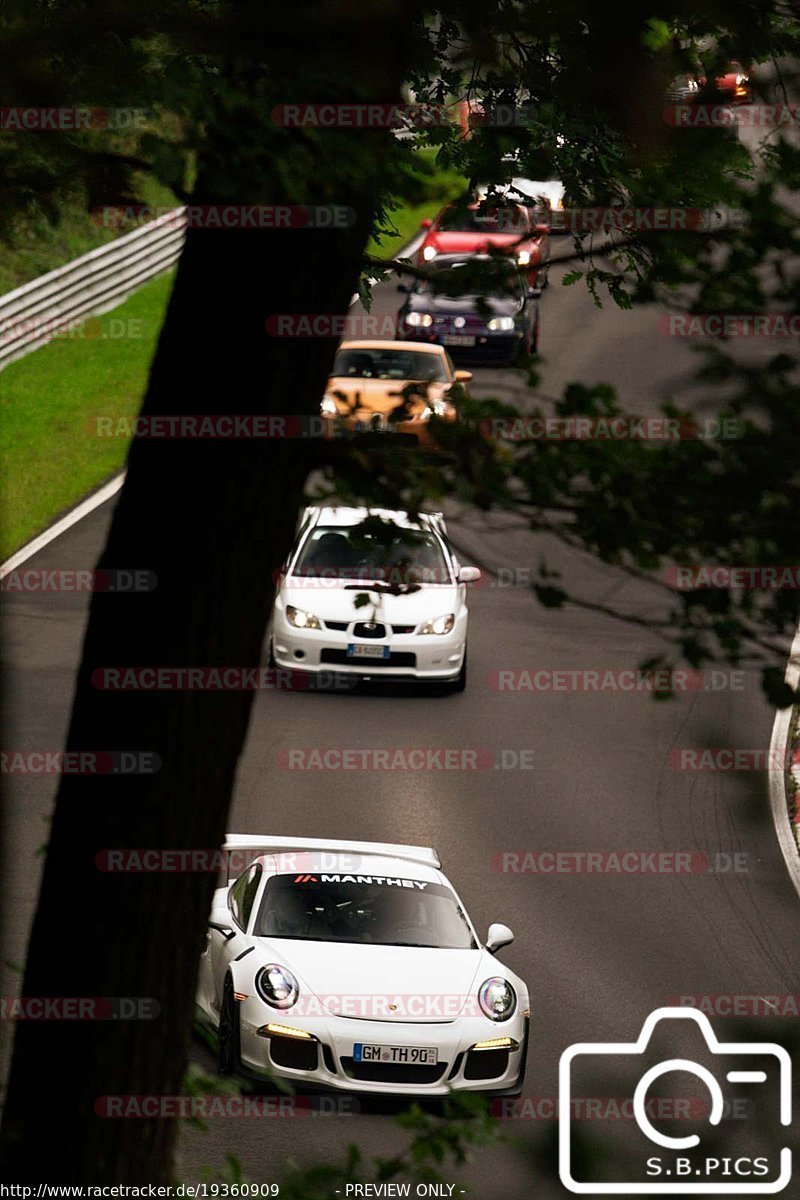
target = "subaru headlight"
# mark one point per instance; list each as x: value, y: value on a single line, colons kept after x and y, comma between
x: 429, y: 252
x: 328, y: 406
x: 498, y: 323
x: 302, y: 619
x: 497, y: 998
x: 523, y: 258
x: 416, y: 318
x: 277, y: 985
x: 439, y: 625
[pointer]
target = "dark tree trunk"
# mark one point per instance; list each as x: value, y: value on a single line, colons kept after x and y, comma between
x: 213, y: 520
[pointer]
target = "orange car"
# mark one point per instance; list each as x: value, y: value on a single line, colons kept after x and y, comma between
x: 391, y: 385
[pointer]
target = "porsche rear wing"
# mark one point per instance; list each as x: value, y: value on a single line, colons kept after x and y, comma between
x: 251, y: 845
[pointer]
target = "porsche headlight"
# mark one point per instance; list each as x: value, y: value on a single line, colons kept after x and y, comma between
x: 302, y: 619
x: 497, y: 998
x: 498, y: 323
x: 277, y: 985
x: 429, y: 252
x: 439, y: 625
x: 328, y: 406
x: 416, y: 318
x: 523, y: 258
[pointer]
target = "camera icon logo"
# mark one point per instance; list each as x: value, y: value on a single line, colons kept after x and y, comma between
x: 683, y: 1167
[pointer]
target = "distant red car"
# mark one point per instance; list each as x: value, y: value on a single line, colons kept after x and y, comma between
x: 482, y: 227
x: 734, y: 84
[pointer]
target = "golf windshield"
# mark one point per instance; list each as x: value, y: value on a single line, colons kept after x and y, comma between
x: 390, y: 364
x: 376, y: 551
x: 468, y: 280
x: 373, y: 909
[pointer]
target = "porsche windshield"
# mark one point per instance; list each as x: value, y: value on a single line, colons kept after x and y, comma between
x: 382, y: 552
x: 504, y: 219
x: 373, y: 909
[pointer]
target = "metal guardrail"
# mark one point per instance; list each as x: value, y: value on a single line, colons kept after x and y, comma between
x: 94, y: 283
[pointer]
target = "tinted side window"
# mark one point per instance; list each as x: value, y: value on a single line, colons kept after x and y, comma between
x: 242, y: 895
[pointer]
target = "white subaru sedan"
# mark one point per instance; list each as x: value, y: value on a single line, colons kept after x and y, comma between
x: 354, y: 966
x: 372, y: 594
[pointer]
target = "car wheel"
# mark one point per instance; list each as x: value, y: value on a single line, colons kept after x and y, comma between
x: 460, y: 681
x: 229, y: 1052
x: 271, y: 663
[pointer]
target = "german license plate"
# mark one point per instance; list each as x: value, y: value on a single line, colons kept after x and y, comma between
x: 417, y: 1056
x: 458, y: 339
x: 354, y: 651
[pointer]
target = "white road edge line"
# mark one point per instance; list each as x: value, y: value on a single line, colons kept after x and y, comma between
x: 78, y: 513
x: 111, y: 488
x: 777, y: 771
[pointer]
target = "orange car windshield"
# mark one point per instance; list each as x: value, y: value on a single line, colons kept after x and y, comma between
x: 390, y: 364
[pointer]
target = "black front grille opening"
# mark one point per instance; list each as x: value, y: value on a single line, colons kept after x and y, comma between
x: 377, y: 1072
x: 403, y: 628
x: 328, y: 1059
x: 398, y: 658
x: 454, y: 1069
x: 340, y: 626
x: 486, y: 1064
x: 299, y: 1054
x: 366, y: 629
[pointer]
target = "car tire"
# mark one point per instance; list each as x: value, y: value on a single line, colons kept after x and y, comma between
x: 271, y: 663
x: 460, y: 682
x: 229, y: 1038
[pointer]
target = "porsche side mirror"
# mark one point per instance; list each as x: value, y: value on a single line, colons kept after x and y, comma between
x: 497, y: 937
x: 471, y: 575
x: 463, y: 376
x: 426, y: 224
x: 534, y: 293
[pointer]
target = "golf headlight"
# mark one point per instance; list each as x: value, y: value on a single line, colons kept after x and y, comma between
x: 277, y: 985
x: 523, y: 258
x: 415, y: 318
x: 497, y: 998
x: 301, y: 619
x: 498, y: 323
x: 328, y: 406
x: 440, y: 625
x: 429, y: 252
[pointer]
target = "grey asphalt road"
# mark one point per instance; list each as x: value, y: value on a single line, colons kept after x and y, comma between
x: 600, y: 950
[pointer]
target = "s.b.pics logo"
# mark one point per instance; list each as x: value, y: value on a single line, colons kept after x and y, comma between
x: 719, y: 1159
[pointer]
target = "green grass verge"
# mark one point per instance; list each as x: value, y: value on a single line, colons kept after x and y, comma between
x: 50, y: 454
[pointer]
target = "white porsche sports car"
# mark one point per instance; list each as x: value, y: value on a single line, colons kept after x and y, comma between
x: 354, y: 966
x: 372, y: 594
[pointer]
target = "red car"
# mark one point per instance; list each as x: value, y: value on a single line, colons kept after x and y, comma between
x: 485, y: 226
